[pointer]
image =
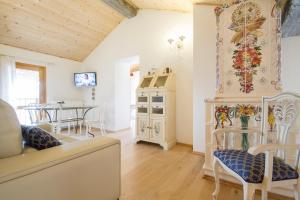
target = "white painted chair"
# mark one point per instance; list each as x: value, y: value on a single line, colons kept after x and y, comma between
x: 268, y: 164
x: 55, y: 125
x: 38, y: 117
x: 65, y: 118
x: 72, y: 124
x: 98, y: 122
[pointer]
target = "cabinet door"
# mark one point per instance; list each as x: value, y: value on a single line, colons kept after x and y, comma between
x: 157, y: 129
x: 142, y: 127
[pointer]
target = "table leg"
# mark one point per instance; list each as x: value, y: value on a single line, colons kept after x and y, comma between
x: 49, y: 116
x: 77, y: 121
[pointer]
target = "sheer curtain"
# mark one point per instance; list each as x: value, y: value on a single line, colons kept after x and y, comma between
x: 7, y: 78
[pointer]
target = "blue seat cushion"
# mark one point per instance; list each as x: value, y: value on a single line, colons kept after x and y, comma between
x: 252, y: 167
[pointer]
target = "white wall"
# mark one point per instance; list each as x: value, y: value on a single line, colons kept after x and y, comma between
x: 205, y: 67
x: 291, y: 64
x: 59, y: 72
x: 146, y: 36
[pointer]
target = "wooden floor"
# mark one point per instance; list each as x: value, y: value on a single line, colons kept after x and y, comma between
x: 150, y: 173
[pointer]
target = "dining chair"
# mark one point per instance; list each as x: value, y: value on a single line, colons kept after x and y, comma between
x: 274, y: 162
x: 98, y: 122
x: 66, y: 118
x: 38, y: 117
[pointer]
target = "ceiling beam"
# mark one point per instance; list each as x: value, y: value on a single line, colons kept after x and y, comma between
x: 291, y: 16
x: 283, y: 4
x: 123, y: 7
x: 207, y: 2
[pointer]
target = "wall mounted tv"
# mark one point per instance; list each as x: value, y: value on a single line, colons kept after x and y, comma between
x: 85, y: 79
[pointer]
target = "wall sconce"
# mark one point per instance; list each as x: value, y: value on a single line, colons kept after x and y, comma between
x: 179, y: 43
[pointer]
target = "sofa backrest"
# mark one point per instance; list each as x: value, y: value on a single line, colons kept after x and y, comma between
x: 10, y: 131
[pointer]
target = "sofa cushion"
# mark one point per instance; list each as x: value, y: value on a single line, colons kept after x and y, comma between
x: 252, y: 167
x: 10, y: 131
x: 38, y: 138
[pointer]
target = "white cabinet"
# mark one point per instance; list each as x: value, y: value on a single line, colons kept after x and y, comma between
x: 156, y: 109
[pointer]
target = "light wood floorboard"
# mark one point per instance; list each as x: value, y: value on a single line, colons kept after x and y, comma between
x: 150, y: 173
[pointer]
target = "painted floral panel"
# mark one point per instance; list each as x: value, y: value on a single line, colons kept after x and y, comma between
x: 248, y: 48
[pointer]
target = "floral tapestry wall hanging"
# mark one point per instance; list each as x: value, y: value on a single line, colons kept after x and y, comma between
x: 246, y: 22
x: 248, y: 48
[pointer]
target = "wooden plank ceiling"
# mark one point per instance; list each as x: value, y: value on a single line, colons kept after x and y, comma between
x: 72, y: 28
x: 65, y: 28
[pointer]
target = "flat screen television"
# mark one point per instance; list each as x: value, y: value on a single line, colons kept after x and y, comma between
x: 85, y: 79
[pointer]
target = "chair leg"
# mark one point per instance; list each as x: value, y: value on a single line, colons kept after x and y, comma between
x: 297, y: 191
x: 216, y: 166
x: 86, y: 129
x: 264, y: 194
x: 248, y: 192
x: 80, y: 128
x: 103, y: 129
x: 69, y: 128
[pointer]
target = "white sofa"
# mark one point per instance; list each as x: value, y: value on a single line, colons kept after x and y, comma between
x: 76, y: 170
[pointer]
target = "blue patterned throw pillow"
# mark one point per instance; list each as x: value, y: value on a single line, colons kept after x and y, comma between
x: 38, y: 138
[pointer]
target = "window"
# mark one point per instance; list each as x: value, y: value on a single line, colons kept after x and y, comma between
x: 30, y: 84
x: 30, y: 88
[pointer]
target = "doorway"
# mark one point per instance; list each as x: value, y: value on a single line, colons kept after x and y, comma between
x: 134, y: 82
x: 126, y: 81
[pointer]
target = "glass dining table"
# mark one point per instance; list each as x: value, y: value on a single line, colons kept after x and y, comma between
x: 52, y: 112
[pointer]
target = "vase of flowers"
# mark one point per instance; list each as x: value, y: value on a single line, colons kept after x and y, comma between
x: 245, y: 112
x: 244, y: 122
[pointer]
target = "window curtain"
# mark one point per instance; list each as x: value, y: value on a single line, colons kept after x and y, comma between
x: 7, y: 79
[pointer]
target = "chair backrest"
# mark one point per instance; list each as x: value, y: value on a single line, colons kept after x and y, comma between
x: 102, y: 112
x: 98, y: 113
x: 281, y: 122
x: 36, y: 116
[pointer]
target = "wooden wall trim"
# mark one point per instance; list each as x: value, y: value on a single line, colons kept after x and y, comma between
x: 184, y: 144
x: 199, y: 153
